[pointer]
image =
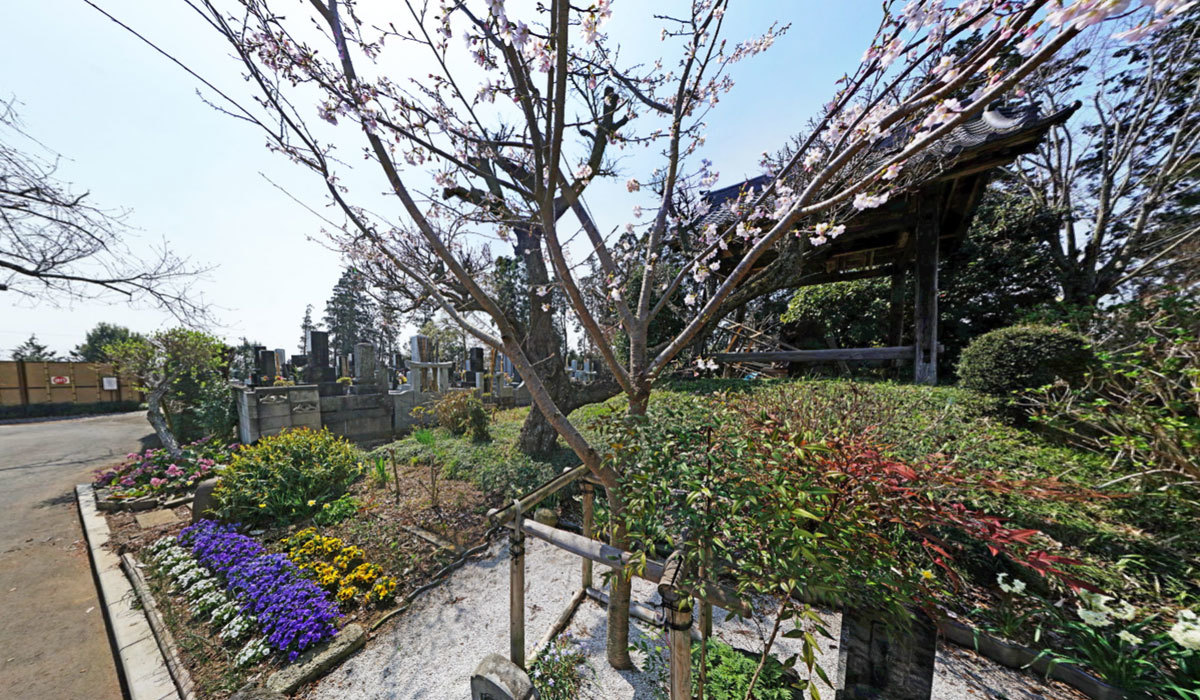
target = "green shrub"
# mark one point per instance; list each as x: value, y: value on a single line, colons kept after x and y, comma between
x: 727, y: 671
x: 461, y: 413
x: 1023, y: 357
x: 286, y: 477
x: 49, y: 410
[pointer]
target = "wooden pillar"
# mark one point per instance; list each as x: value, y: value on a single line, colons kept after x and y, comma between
x: 677, y: 617
x: 925, y: 313
x: 589, y: 495
x: 706, y: 573
x: 516, y: 589
x: 22, y: 382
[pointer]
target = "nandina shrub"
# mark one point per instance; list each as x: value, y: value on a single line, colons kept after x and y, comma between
x: 461, y: 413
x: 286, y: 477
x: 156, y: 471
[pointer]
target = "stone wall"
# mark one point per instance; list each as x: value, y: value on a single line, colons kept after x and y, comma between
x: 363, y: 419
x: 266, y: 411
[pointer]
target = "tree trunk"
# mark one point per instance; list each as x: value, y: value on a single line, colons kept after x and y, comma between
x: 159, y: 422
x: 543, y: 348
x: 619, y: 591
x: 621, y: 586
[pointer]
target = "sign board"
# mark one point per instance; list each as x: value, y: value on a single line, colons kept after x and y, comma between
x: 109, y: 383
x: 60, y: 380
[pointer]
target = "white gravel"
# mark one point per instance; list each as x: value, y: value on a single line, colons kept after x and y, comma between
x: 430, y: 651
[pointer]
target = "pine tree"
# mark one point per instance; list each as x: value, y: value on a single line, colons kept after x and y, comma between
x: 306, y: 325
x: 33, y: 351
x: 350, y: 314
x: 93, y: 347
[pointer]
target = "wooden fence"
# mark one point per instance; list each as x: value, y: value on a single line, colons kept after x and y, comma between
x: 676, y: 615
x: 25, y: 383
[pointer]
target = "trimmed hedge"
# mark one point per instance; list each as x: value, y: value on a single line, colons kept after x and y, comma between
x: 50, y: 410
x: 1023, y: 357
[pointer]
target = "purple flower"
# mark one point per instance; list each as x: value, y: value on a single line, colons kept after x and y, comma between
x: 292, y: 611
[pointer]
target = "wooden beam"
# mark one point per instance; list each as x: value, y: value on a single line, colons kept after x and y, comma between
x: 925, y: 314
x: 613, y: 557
x: 498, y: 515
x: 833, y: 354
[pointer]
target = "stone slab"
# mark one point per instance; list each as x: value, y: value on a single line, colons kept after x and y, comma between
x: 156, y: 518
x: 315, y: 663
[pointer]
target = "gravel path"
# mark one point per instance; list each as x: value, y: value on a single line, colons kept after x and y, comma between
x: 959, y: 674
x: 430, y: 651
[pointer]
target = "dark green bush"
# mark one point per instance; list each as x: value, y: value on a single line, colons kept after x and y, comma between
x: 461, y: 413
x: 1023, y: 357
x: 46, y: 410
x: 286, y: 477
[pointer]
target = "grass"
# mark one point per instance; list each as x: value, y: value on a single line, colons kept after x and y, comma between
x: 495, y: 466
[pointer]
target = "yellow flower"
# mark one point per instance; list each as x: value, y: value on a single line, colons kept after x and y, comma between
x: 926, y: 574
x: 311, y: 502
x: 325, y: 506
x: 262, y: 505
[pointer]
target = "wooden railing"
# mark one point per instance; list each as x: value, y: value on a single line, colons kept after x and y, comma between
x: 678, y: 598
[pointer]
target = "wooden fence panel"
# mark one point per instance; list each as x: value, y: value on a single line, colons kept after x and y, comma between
x: 61, y: 382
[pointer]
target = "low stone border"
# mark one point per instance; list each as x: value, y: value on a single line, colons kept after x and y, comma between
x: 106, y: 503
x: 166, y: 641
x: 318, y: 661
x: 1016, y: 656
x: 143, y: 667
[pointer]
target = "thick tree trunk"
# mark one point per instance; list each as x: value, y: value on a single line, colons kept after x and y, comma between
x: 159, y: 422
x: 543, y: 348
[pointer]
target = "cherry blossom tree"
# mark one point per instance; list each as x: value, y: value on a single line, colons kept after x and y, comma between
x: 57, y: 245
x: 515, y: 112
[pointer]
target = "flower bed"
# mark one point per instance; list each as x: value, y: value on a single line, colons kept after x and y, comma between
x: 155, y: 472
x: 266, y: 591
x: 340, y: 569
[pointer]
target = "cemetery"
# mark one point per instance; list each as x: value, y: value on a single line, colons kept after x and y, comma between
x: 906, y: 408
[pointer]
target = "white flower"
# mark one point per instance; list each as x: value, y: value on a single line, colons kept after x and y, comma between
x: 1093, y: 618
x: 714, y: 265
x: 633, y: 185
x: 1129, y: 637
x: 1186, y: 631
x: 892, y: 172
x: 584, y: 172
x: 1015, y: 588
x: 1126, y: 611
x: 862, y: 200
x: 811, y: 159
x: 690, y: 299
x: 546, y: 308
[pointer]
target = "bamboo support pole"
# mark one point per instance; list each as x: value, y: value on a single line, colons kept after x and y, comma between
x: 499, y: 515
x: 589, y: 495
x: 516, y: 591
x: 677, y: 618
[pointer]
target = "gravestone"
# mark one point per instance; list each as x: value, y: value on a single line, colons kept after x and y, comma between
x: 316, y: 346
x: 878, y: 661
x: 267, y: 369
x: 364, y: 363
x: 497, y: 678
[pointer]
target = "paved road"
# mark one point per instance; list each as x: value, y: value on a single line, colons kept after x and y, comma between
x: 53, y: 642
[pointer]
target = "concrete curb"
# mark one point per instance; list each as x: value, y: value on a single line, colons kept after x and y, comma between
x: 142, y: 664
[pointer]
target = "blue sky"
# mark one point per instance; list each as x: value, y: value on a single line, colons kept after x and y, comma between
x: 133, y: 132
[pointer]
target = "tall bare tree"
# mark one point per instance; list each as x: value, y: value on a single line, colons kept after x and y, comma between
x: 1124, y: 174
x: 516, y: 140
x: 56, y: 245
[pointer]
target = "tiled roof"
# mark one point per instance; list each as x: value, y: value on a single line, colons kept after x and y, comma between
x: 997, y: 123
